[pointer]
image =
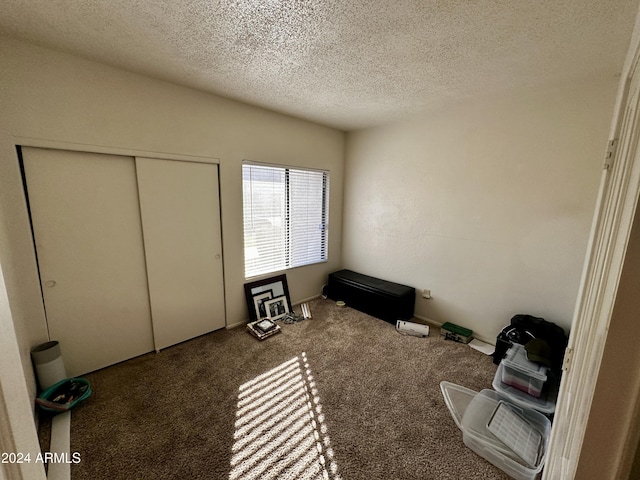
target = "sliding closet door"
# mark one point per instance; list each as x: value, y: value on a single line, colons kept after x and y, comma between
x: 180, y: 211
x: 86, y: 224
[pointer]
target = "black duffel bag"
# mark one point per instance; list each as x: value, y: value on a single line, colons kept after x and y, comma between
x: 545, y: 341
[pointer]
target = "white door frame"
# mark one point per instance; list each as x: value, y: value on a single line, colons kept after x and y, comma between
x: 17, y: 425
x: 615, y: 210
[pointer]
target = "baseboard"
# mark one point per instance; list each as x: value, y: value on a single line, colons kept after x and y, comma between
x: 433, y: 323
x: 237, y: 324
x: 61, y: 445
x: 306, y: 300
x: 428, y: 321
x: 297, y: 303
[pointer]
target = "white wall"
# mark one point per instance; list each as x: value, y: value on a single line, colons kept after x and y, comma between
x: 49, y: 96
x: 487, y: 204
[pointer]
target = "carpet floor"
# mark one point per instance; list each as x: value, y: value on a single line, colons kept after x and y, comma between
x: 340, y: 396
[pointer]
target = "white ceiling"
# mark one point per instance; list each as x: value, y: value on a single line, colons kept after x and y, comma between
x: 346, y: 64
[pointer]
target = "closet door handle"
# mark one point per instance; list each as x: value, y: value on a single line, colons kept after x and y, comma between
x: 218, y: 256
x: 50, y: 283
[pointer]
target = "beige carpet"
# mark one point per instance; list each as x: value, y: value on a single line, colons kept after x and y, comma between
x: 340, y: 396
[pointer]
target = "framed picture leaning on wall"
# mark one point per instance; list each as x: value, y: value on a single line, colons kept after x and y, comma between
x: 259, y: 301
x: 277, y: 307
x: 260, y: 292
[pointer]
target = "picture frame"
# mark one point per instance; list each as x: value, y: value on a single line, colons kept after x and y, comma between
x: 277, y: 307
x: 258, y: 303
x: 278, y: 287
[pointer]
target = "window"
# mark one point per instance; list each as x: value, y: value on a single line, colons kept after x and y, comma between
x: 286, y: 214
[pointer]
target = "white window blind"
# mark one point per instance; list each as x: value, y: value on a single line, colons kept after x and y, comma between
x: 286, y: 214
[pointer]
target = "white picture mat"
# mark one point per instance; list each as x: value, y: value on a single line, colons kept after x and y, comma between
x: 271, y: 305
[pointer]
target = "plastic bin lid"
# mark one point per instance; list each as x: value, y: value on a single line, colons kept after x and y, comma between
x: 516, y: 359
x: 475, y: 420
x: 546, y: 403
x: 457, y: 399
x: 472, y: 413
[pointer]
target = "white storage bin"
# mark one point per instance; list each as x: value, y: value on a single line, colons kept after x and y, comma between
x: 472, y: 412
x: 545, y: 403
x: 522, y: 373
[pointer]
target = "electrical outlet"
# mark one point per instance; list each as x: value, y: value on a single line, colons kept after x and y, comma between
x: 426, y: 293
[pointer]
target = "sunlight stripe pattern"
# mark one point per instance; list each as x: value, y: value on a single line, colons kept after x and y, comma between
x: 280, y: 431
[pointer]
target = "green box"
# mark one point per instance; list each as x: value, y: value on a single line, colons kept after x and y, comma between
x: 451, y: 331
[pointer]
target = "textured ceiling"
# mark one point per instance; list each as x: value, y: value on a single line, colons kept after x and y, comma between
x: 347, y: 64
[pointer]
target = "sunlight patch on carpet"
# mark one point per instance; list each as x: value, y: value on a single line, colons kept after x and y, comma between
x: 280, y: 431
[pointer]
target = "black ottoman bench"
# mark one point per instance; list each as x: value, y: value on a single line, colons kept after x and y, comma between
x: 385, y: 300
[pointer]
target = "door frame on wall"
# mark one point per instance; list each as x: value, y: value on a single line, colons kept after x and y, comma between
x: 20, y: 141
x: 616, y: 207
x: 212, y: 200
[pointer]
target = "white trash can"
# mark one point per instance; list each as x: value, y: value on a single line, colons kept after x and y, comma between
x: 47, y: 359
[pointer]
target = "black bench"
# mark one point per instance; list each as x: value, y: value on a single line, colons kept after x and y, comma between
x: 385, y: 300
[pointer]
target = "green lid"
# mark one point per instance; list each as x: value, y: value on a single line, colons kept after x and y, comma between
x: 457, y: 329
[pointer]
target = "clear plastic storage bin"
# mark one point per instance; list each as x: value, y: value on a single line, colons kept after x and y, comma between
x: 513, y: 439
x: 545, y: 403
x: 522, y: 373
